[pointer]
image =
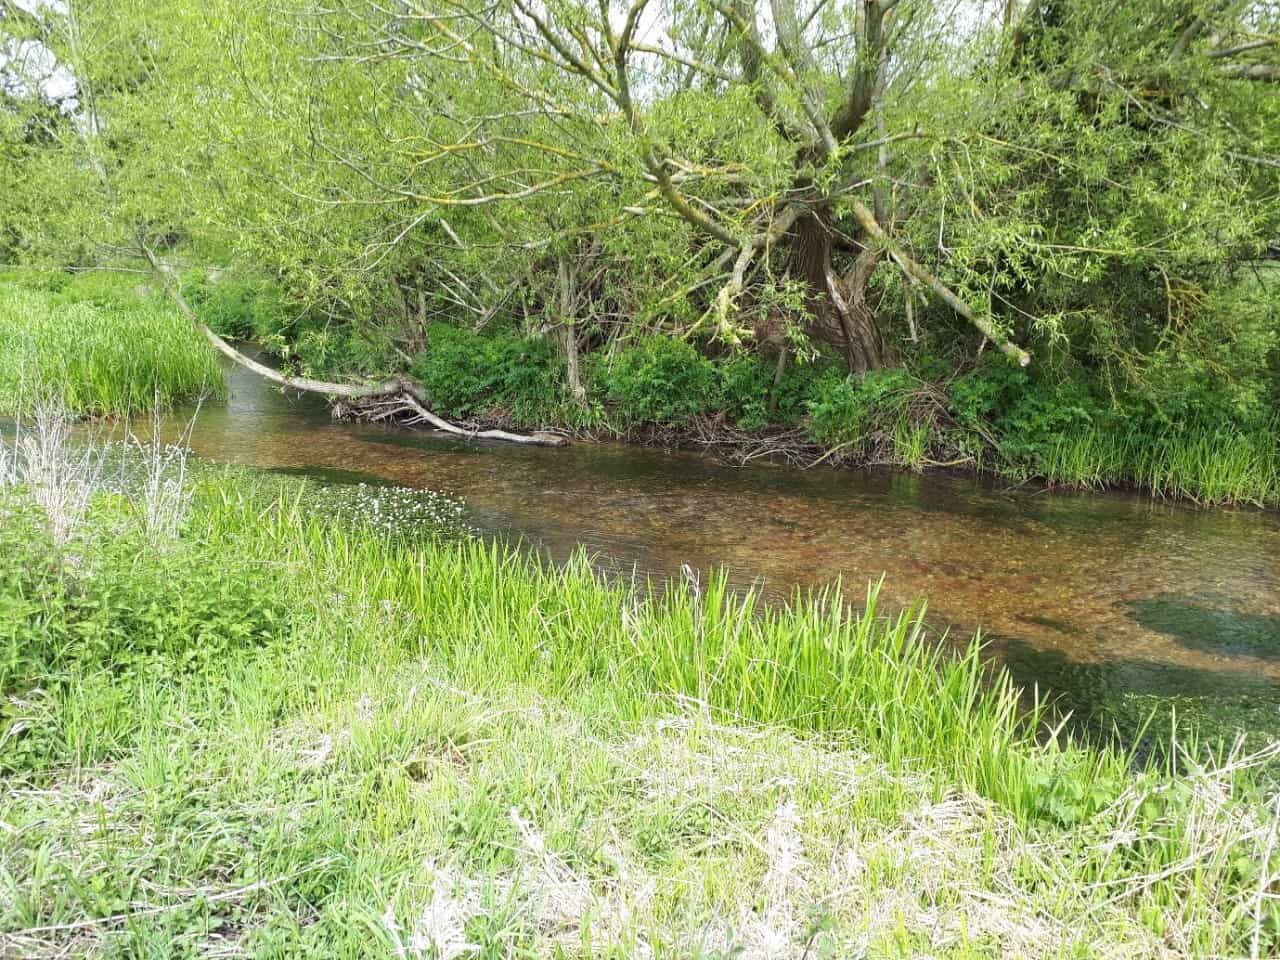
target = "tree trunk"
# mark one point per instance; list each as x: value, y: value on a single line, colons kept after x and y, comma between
x: 568, y: 328
x: 569, y: 333
x: 841, y: 315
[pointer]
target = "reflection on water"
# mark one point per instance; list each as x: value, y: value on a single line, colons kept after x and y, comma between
x: 1114, y: 595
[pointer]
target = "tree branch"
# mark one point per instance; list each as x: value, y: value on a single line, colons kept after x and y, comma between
x: 1266, y: 72
x: 412, y: 392
x: 867, y: 219
x: 864, y: 83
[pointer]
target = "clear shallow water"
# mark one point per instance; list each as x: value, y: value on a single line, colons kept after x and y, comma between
x: 1111, y: 602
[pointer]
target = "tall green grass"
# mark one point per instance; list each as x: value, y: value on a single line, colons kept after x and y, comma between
x: 816, y: 664
x: 813, y: 664
x: 105, y: 358
x: 1204, y: 467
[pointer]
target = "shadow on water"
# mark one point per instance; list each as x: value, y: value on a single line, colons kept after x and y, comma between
x: 1135, y: 703
x: 1222, y: 632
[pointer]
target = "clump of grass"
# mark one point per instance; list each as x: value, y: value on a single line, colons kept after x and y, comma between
x: 1208, y: 468
x: 99, y: 359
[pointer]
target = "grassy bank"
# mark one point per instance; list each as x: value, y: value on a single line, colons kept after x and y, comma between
x: 96, y: 350
x: 254, y: 733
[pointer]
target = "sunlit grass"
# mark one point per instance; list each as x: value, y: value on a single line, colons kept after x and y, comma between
x: 1206, y: 468
x: 405, y: 744
x: 98, y: 359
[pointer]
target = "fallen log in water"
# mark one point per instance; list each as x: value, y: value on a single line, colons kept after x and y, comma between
x: 405, y: 409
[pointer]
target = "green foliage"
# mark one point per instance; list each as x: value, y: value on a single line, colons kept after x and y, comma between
x: 1028, y: 415
x: 1097, y: 182
x: 130, y: 606
x: 469, y: 374
x: 661, y: 380
x: 1216, y: 370
x: 1171, y: 432
x: 846, y: 411
x: 111, y: 602
x: 241, y: 309
x: 101, y: 356
x: 750, y: 397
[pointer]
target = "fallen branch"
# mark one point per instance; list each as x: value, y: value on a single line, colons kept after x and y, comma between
x: 426, y: 416
x: 409, y: 390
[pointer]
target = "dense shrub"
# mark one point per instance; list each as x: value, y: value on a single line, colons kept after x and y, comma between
x: 469, y: 374
x: 662, y: 380
x: 1209, y: 437
x: 1028, y: 415
x: 240, y: 309
x: 846, y: 410
x: 750, y: 397
x: 1218, y: 372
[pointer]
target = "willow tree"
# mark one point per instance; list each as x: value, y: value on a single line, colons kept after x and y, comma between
x: 128, y: 162
x: 954, y: 156
x: 862, y: 172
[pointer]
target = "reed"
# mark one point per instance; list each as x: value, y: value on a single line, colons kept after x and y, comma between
x: 1208, y: 468
x: 98, y: 359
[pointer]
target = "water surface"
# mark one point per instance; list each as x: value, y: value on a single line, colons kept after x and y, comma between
x: 1113, y: 602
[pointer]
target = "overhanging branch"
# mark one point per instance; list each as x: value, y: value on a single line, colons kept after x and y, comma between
x: 411, y: 393
x: 867, y: 219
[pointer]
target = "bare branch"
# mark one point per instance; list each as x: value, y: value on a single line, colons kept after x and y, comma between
x: 1266, y: 72
x: 1259, y: 44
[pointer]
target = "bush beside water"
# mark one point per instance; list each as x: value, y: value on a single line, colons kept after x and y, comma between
x: 1044, y: 424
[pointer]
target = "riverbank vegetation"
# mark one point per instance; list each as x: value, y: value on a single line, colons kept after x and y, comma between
x: 97, y: 349
x: 993, y: 418
x: 262, y: 731
x: 1039, y: 240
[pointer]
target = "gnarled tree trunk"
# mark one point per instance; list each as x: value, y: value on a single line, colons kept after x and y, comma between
x: 841, y: 315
